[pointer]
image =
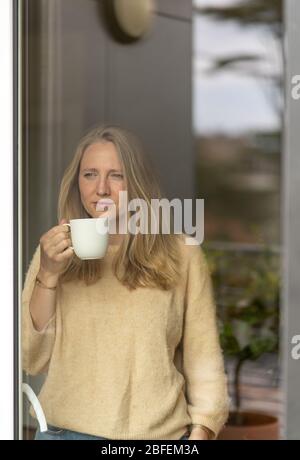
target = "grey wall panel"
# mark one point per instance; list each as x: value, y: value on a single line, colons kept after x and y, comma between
x: 150, y: 93
x: 84, y: 49
x: 181, y: 9
x: 65, y: 95
x: 291, y: 224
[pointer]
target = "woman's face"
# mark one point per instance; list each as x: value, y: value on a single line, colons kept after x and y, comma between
x: 101, y: 178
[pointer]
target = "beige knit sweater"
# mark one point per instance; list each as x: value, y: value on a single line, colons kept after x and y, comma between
x: 122, y: 364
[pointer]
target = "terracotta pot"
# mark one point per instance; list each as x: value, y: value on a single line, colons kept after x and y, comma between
x: 256, y: 425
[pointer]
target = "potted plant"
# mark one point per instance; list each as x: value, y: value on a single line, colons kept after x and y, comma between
x: 246, y: 288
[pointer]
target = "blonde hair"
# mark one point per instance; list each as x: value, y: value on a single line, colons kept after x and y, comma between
x: 142, y: 259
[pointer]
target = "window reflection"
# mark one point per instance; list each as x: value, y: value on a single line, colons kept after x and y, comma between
x: 238, y: 122
x: 238, y: 117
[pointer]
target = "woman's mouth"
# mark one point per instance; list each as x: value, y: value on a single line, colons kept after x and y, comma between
x: 103, y: 205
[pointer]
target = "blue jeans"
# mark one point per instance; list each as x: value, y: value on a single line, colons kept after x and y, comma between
x: 60, y: 434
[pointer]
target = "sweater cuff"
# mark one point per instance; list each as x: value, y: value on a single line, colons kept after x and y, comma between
x: 208, y: 422
x: 211, y: 434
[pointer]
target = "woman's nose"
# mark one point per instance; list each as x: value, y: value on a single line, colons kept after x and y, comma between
x: 103, y: 187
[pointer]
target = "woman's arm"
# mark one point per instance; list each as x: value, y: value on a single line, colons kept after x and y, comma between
x: 43, y: 299
x: 202, y: 358
x: 200, y: 432
x: 39, y: 298
x: 37, y: 342
x: 55, y: 253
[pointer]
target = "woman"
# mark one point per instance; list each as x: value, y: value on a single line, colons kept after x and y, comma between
x: 129, y: 342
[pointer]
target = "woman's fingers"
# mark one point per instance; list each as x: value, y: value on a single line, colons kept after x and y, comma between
x: 57, y: 230
x: 66, y: 254
x: 56, y: 247
x: 62, y: 245
x: 53, y: 253
x: 53, y: 237
x: 56, y: 238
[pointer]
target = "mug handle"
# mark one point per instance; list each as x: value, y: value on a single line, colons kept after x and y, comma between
x: 69, y: 225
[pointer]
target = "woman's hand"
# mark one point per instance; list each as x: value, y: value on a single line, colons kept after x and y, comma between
x: 198, y: 433
x: 55, y: 251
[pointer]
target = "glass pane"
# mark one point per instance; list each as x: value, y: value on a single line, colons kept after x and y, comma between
x: 78, y: 73
x: 238, y: 113
x: 80, y: 67
x: 238, y: 123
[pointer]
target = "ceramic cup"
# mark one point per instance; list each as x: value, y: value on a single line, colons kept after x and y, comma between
x: 89, y: 237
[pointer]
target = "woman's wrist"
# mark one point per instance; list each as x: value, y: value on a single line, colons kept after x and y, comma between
x: 48, y: 279
x: 199, y: 427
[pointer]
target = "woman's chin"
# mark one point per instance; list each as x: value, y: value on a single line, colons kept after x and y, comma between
x: 106, y: 213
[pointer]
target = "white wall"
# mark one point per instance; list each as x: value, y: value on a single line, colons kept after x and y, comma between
x: 6, y: 226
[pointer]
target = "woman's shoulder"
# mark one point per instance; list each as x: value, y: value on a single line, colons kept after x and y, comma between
x: 35, y: 258
x: 31, y: 271
x: 191, y: 249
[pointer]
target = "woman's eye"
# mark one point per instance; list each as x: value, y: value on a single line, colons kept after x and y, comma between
x: 118, y: 176
x: 89, y: 174
x: 115, y: 175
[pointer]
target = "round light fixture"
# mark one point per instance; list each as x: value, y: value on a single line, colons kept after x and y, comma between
x: 134, y: 17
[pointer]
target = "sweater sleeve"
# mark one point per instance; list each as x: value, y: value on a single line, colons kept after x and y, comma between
x: 36, y: 345
x: 202, y: 357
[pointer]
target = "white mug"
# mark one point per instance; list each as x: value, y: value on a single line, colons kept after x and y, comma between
x: 89, y: 237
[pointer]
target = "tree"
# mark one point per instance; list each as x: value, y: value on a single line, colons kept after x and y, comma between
x: 267, y: 14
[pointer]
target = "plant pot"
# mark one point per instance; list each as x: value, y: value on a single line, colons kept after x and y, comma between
x: 256, y: 425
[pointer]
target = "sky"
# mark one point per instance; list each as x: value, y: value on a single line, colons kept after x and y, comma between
x: 230, y: 102
x: 216, y: 2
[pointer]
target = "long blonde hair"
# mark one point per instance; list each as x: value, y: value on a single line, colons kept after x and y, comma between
x: 142, y: 259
